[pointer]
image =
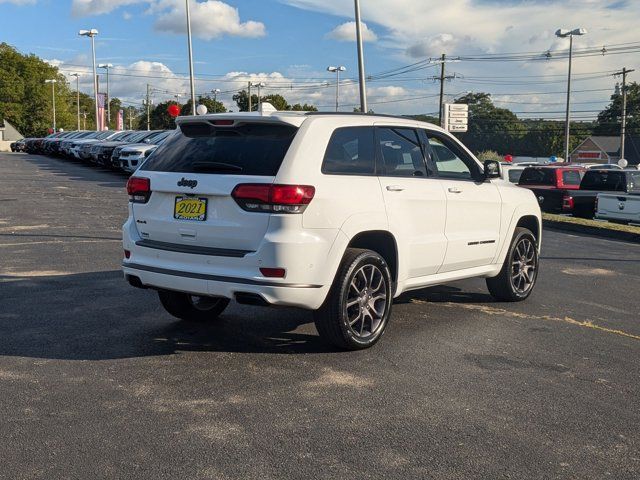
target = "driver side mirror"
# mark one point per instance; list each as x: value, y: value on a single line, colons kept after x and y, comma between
x: 491, y: 169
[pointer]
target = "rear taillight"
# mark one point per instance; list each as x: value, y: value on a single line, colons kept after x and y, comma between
x: 266, y: 198
x: 139, y: 189
x: 567, y: 202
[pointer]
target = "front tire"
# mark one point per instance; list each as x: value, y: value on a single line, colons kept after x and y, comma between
x: 192, y: 308
x: 356, y: 312
x: 519, y: 272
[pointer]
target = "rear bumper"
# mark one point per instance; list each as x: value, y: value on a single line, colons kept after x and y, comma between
x: 309, y: 257
x: 273, y: 293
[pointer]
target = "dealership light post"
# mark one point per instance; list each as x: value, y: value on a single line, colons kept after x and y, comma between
x: 107, y: 66
x: 562, y: 33
x: 92, y: 35
x: 337, y: 71
x: 191, y: 79
x: 77, y: 75
x: 361, y: 76
x: 53, y: 97
x: 215, y: 92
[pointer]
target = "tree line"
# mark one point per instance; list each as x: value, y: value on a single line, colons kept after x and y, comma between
x: 25, y: 101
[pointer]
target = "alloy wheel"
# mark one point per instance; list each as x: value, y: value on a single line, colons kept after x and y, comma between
x: 367, y: 300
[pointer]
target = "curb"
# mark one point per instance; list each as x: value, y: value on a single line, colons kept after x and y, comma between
x: 592, y: 230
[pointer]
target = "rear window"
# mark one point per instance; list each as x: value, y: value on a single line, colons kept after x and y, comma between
x: 571, y: 177
x: 247, y: 149
x: 537, y: 176
x: 605, y: 180
x: 514, y: 175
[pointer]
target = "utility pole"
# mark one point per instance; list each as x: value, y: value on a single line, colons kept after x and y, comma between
x: 191, y: 77
x: 442, y: 78
x: 148, y: 108
x: 84, y: 120
x: 53, y: 99
x: 441, y: 88
x: 623, y: 124
x: 130, y: 118
x: 250, y: 96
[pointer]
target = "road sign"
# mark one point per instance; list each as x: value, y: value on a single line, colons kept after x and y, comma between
x: 455, y: 117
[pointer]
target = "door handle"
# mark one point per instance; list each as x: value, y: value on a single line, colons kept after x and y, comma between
x: 394, y: 188
x: 454, y: 190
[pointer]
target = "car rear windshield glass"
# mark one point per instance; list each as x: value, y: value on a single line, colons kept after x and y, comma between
x: 538, y: 176
x: 608, y: 180
x: 246, y: 149
x: 571, y: 177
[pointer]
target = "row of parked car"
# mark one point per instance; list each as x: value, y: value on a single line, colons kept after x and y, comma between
x: 118, y: 150
x: 602, y: 191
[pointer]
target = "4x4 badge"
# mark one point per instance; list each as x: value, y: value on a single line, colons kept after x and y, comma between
x: 183, y: 182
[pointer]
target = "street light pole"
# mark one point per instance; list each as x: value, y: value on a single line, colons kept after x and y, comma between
x: 361, y: 76
x: 259, y: 85
x: 337, y: 71
x: 53, y: 97
x: 191, y: 79
x: 561, y: 33
x: 92, y: 34
x: 107, y: 66
x: 77, y: 75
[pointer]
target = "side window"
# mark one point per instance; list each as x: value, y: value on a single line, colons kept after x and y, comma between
x: 350, y: 152
x: 571, y: 177
x: 400, y: 152
x: 449, y: 160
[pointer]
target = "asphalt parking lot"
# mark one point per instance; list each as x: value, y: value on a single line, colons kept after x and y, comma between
x: 97, y: 381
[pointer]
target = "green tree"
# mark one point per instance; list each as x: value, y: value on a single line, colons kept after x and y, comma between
x: 303, y: 108
x: 610, y: 119
x: 490, y: 127
x: 25, y: 98
x: 213, y: 106
x: 242, y: 100
x: 160, y: 118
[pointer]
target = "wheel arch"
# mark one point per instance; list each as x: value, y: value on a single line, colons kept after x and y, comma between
x: 382, y: 242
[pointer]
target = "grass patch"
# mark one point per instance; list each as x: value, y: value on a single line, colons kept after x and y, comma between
x: 604, y: 225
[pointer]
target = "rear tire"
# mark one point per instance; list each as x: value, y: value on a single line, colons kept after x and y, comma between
x: 519, y: 272
x: 192, y: 308
x: 356, y: 312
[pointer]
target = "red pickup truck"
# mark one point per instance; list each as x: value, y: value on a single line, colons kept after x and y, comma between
x: 552, y: 185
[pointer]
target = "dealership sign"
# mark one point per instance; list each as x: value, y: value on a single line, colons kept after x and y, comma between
x: 455, y: 117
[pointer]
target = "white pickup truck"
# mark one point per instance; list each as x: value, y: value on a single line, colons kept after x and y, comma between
x: 621, y: 207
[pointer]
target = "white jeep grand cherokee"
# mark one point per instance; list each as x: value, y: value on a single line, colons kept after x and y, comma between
x: 337, y: 213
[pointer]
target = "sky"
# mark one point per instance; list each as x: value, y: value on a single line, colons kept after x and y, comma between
x: 288, y: 44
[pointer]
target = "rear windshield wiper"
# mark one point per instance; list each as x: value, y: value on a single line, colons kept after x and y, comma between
x: 215, y: 167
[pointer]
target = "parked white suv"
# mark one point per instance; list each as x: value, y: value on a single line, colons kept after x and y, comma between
x: 337, y: 213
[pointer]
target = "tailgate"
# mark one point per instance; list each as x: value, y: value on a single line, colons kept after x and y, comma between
x: 218, y: 222
x: 192, y: 175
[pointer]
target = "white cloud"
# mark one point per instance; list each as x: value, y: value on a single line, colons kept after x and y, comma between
x: 346, y: 32
x: 83, y: 8
x: 209, y: 20
x: 127, y: 16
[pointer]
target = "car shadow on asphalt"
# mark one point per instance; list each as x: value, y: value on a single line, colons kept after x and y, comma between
x: 98, y: 316
x: 76, y: 170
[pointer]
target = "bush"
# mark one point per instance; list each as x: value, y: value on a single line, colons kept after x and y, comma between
x: 489, y: 155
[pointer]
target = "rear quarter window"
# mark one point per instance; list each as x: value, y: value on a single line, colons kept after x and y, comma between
x: 350, y: 151
x: 246, y: 149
